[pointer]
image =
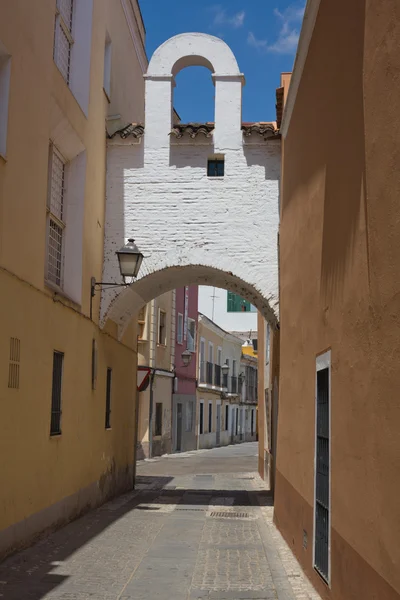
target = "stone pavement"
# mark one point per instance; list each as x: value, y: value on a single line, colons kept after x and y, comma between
x: 198, y: 525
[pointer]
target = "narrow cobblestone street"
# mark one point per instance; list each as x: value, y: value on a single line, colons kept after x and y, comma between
x: 199, y: 525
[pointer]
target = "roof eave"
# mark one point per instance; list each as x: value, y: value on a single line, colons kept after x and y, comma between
x: 307, y: 29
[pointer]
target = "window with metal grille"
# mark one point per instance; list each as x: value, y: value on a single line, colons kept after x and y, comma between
x: 210, y: 417
x: 215, y: 167
x: 56, y: 217
x: 162, y: 328
x: 58, y: 362
x: 322, y: 471
x: 13, y: 367
x: 179, y: 330
x: 63, y: 38
x: 108, y: 399
x: 158, y: 423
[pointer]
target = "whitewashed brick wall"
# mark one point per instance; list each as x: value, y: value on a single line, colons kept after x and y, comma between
x: 192, y: 228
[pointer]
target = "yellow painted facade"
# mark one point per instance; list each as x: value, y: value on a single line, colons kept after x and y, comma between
x: 47, y: 480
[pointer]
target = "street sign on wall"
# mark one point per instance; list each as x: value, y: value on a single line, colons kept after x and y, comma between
x: 143, y: 378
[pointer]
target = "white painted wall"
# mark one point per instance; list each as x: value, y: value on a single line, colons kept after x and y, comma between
x: 229, y: 321
x: 190, y: 227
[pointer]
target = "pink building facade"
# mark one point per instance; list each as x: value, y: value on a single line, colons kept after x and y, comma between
x: 184, y: 398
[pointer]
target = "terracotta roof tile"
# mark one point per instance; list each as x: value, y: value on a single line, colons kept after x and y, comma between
x: 135, y: 129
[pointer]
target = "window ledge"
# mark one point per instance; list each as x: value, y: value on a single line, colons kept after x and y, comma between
x: 55, y: 436
x: 107, y: 95
x: 60, y: 292
x: 218, y: 178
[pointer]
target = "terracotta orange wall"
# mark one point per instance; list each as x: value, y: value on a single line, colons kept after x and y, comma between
x: 339, y: 269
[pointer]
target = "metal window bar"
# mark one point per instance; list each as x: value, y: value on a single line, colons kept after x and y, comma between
x: 58, y: 362
x: 108, y: 399
x: 56, y: 216
x: 13, y: 368
x: 209, y: 372
x: 217, y: 375
x: 63, y: 39
x: 322, y: 476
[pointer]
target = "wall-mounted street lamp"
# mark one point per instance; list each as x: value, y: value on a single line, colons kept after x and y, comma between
x: 129, y: 260
x: 225, y: 369
x: 186, y: 357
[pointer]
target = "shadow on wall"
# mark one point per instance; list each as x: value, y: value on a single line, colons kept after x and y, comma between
x: 325, y: 150
x: 195, y: 156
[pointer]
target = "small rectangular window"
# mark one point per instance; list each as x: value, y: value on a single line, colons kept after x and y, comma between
x: 210, y: 417
x: 215, y: 167
x: 58, y: 361
x: 227, y: 417
x: 108, y: 399
x: 201, y: 418
x: 107, y: 68
x: 158, y: 423
x: 179, y: 330
x: 162, y: 329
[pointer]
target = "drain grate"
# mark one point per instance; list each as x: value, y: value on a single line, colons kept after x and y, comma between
x: 230, y: 515
x: 192, y: 509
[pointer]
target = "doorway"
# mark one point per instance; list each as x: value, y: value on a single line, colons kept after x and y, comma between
x: 179, y: 427
x: 218, y: 430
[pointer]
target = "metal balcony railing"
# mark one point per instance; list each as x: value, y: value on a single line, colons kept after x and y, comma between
x: 209, y: 372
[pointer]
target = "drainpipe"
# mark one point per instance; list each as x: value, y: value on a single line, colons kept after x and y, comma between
x: 152, y: 364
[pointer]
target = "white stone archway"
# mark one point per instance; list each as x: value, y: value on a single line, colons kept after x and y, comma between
x: 193, y: 228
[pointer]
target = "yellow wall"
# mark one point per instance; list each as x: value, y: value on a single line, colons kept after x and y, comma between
x: 86, y: 463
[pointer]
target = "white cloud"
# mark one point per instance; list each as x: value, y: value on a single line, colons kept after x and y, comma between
x: 256, y: 43
x: 221, y: 17
x: 288, y: 37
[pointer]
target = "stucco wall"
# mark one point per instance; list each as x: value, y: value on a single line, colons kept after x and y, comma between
x: 49, y: 480
x: 339, y: 265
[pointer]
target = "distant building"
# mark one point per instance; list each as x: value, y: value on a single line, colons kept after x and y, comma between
x: 156, y: 351
x: 184, y: 398
x: 228, y: 310
x: 225, y: 414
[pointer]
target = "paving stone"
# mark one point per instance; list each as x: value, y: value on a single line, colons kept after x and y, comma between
x: 158, y: 543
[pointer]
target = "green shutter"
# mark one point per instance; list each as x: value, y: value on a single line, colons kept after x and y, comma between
x: 237, y: 303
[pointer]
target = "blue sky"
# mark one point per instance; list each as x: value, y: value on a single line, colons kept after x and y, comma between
x: 263, y: 35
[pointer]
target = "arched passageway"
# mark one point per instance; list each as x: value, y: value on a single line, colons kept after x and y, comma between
x: 126, y: 303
